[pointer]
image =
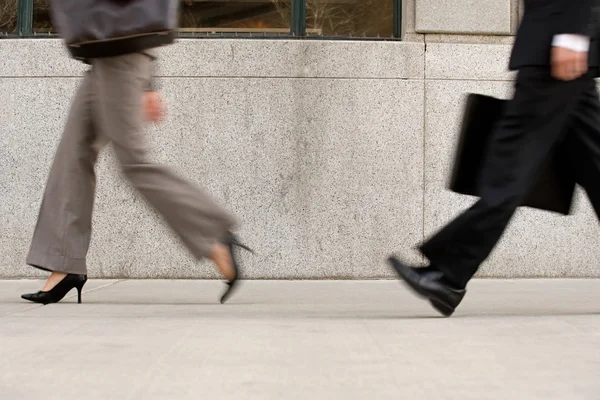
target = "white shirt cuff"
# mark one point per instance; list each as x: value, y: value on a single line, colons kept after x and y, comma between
x: 573, y: 42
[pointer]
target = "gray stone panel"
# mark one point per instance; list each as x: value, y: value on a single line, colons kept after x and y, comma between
x: 317, y: 146
x: 37, y: 57
x: 236, y: 58
x: 325, y: 174
x: 486, y: 62
x: 464, y: 16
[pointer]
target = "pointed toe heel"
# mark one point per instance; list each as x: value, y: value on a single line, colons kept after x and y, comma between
x: 232, y: 284
x: 58, y: 292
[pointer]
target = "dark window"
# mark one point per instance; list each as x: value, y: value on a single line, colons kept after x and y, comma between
x: 8, y: 16
x: 243, y: 16
x: 294, y: 18
x: 350, y: 18
x: 41, y: 17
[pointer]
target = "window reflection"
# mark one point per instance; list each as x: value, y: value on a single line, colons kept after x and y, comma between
x: 41, y: 17
x: 351, y: 18
x: 8, y: 16
x: 199, y: 16
x: 329, y: 18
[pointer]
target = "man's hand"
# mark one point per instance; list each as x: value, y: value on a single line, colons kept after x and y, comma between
x: 153, y: 107
x: 568, y: 64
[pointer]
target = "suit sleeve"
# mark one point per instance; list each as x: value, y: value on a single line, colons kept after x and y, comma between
x: 576, y: 17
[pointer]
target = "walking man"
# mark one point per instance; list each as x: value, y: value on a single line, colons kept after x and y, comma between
x: 555, y: 104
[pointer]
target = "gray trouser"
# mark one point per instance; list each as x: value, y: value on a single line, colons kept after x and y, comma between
x: 108, y: 108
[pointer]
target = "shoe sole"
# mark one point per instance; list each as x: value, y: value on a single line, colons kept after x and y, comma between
x: 441, y: 307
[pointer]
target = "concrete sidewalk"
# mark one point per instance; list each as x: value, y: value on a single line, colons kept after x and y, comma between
x: 517, y: 339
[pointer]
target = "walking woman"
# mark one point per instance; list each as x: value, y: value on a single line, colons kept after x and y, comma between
x: 109, y: 106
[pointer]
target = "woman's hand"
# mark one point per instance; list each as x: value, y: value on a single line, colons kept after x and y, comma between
x: 153, y: 106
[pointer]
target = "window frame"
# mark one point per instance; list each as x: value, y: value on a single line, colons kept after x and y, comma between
x: 298, y: 29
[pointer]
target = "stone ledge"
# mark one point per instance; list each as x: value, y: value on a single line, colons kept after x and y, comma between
x: 236, y: 58
x: 468, y: 62
x: 464, y: 16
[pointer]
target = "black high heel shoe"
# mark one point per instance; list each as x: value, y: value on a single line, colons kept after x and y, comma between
x: 58, y: 292
x: 233, y: 242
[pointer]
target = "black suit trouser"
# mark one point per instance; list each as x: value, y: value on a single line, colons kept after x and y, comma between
x: 543, y: 114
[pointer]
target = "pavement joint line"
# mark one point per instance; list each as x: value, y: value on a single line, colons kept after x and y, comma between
x: 11, y: 313
x: 111, y: 283
x: 35, y: 307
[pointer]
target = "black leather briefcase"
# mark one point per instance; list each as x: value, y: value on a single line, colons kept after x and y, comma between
x: 553, y: 190
x: 108, y: 28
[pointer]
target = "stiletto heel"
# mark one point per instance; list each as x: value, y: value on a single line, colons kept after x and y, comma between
x: 79, y: 294
x: 58, y: 292
x: 233, y: 242
x: 79, y: 288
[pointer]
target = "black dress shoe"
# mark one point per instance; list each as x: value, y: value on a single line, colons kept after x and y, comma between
x: 436, y: 275
x: 428, y: 283
x: 58, y: 292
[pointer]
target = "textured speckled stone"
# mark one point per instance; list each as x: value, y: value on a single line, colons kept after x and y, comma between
x: 515, y: 15
x: 408, y: 25
x: 293, y: 58
x: 464, y: 16
x: 236, y: 58
x: 536, y: 243
x: 325, y: 174
x: 431, y: 38
x: 324, y: 170
x: 521, y: 9
x: 408, y: 19
x: 467, y: 61
x: 37, y: 57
